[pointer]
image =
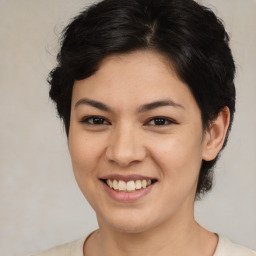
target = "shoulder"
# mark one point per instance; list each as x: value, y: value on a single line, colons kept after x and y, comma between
x: 227, y: 248
x: 74, y: 248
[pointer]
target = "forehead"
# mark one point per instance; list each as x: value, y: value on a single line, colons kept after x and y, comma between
x: 134, y: 78
x: 141, y: 63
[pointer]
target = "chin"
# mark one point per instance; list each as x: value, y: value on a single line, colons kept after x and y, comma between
x: 132, y: 229
x: 130, y: 223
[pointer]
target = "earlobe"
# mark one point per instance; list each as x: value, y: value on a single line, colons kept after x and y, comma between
x: 216, y: 134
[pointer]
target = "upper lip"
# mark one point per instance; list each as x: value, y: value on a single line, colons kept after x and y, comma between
x: 126, y: 178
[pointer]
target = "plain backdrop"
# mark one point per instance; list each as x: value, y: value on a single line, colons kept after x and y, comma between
x: 40, y: 203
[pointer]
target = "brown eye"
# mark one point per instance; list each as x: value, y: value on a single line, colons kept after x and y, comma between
x: 159, y: 121
x: 95, y: 120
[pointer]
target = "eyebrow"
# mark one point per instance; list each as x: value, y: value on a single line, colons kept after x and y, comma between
x: 141, y: 109
x: 157, y: 104
x: 93, y: 103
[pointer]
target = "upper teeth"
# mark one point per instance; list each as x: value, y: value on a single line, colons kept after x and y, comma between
x: 128, y: 186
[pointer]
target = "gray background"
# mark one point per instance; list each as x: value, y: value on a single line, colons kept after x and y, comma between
x: 40, y: 202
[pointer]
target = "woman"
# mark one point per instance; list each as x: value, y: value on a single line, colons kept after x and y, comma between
x: 146, y: 92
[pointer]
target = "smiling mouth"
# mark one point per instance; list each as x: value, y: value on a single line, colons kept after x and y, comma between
x: 129, y: 186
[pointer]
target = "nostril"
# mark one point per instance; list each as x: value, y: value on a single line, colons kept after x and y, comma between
x: 124, y: 159
x: 125, y: 150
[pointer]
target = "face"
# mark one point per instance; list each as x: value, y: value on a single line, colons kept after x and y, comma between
x: 136, y: 142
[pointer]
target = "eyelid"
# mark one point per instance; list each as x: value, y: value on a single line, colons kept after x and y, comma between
x: 168, y: 119
x: 85, y: 120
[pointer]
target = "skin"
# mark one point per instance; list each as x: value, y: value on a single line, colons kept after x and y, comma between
x: 128, y: 141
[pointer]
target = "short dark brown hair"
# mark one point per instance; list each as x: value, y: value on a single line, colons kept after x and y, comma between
x: 186, y: 33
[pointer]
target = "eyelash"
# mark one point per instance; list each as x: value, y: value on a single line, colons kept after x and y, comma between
x: 88, y: 119
x: 99, y: 120
x: 163, y: 120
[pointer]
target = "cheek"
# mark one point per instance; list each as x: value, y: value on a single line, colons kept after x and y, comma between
x: 179, y: 159
x: 84, y: 158
x: 83, y: 150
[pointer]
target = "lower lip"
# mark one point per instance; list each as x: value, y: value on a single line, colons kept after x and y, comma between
x: 127, y: 196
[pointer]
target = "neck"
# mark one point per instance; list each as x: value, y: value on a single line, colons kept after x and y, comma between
x: 156, y: 241
x: 179, y: 236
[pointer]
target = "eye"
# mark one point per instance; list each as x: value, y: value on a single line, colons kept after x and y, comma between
x: 95, y: 120
x: 160, y: 121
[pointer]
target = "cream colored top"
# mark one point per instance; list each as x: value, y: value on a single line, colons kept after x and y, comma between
x: 224, y: 248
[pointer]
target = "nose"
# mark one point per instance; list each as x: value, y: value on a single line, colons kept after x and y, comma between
x: 125, y: 147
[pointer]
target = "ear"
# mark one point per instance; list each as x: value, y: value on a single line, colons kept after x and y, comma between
x: 215, y: 135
